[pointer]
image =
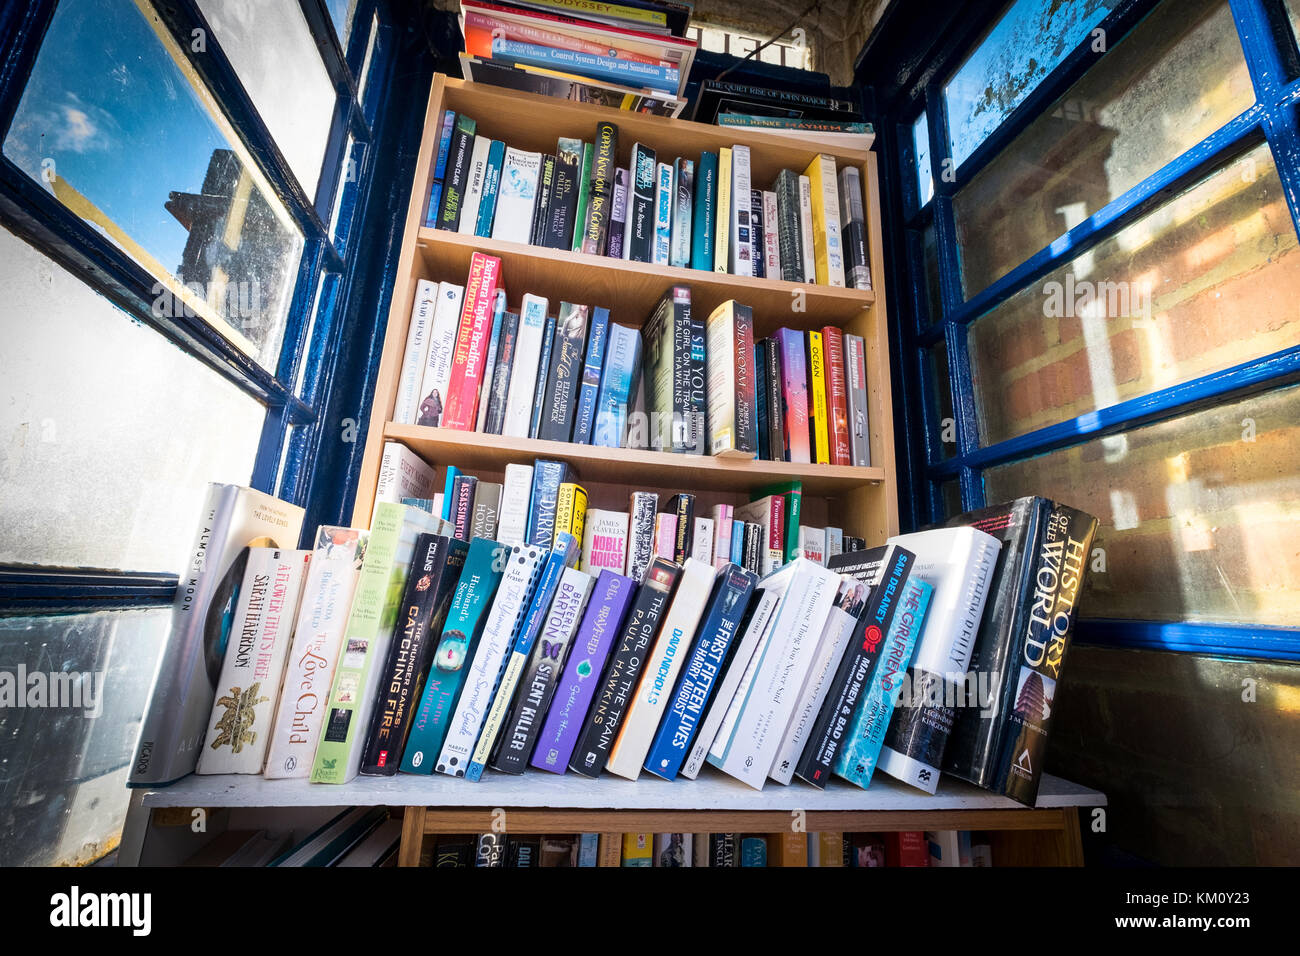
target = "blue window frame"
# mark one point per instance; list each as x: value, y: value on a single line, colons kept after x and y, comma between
x: 944, y: 461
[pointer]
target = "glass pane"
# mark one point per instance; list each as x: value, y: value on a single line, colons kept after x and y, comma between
x: 108, y: 432
x: 951, y: 492
x: 117, y: 126
x: 341, y: 14
x: 363, y: 76
x: 64, y: 763
x: 345, y: 195
x: 1199, y: 515
x: 1204, y: 282
x: 1030, y: 41
x: 921, y: 149
x: 272, y: 50
x: 945, y: 424
x: 1175, y: 79
x: 930, y: 252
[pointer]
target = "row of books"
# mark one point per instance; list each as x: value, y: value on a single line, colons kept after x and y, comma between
x: 356, y: 837
x: 707, y: 214
x: 683, y: 383
x: 536, y: 503
x: 907, y: 848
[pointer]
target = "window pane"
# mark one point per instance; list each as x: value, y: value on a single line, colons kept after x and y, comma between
x: 945, y: 428
x: 930, y: 251
x: 117, y: 126
x: 341, y: 14
x: 921, y: 149
x: 64, y: 763
x: 1204, y: 282
x: 271, y: 47
x: 108, y: 432
x: 951, y: 492
x: 1174, y: 80
x: 1199, y: 515
x: 363, y: 76
x: 345, y: 194
x: 1030, y: 41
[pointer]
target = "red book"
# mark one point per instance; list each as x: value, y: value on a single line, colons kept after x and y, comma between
x: 461, y: 406
x: 907, y: 848
x: 837, y: 396
x: 481, y: 28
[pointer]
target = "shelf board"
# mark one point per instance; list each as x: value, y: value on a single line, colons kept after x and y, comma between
x: 630, y: 289
x: 473, y: 450
x: 713, y: 791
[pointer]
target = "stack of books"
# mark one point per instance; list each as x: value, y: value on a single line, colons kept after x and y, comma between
x: 807, y: 117
x: 705, y: 212
x: 629, y: 55
x: 682, y: 383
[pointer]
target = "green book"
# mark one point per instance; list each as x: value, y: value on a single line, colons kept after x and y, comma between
x: 584, y: 195
x: 791, y: 493
x: 478, y: 582
x: 371, y: 623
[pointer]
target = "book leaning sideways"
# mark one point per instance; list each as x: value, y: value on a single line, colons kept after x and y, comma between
x: 233, y: 519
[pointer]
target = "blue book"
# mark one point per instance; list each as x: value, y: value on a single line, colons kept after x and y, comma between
x: 608, y: 68
x: 540, y: 395
x: 737, y: 539
x: 732, y: 589
x: 866, y: 731
x: 547, y: 478
x: 564, y: 554
x: 703, y: 234
x: 440, y: 168
x: 487, y: 204
x: 665, y: 196
x: 596, y: 340
x: 588, y: 849
x: 449, y: 491
x: 618, y: 385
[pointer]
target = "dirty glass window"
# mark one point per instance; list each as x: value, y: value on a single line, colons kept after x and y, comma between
x: 921, y: 150
x: 116, y: 125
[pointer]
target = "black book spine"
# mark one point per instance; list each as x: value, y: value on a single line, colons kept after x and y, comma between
x: 458, y: 163
x: 758, y: 257
x: 753, y: 542
x: 601, y: 727
x: 558, y: 233
x: 605, y: 156
x: 462, y: 504
x: 565, y: 373
x: 775, y: 403
x: 683, y: 506
x: 856, y: 268
x: 496, y: 413
x: 760, y: 395
x: 697, y: 398
x: 641, y: 205
x: 789, y: 229
x: 617, y: 215
x: 429, y: 587
x: 722, y: 849
x: 543, y: 367
x: 542, y: 208
x: 682, y: 409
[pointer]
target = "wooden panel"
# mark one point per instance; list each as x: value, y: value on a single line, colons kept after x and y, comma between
x: 413, y: 824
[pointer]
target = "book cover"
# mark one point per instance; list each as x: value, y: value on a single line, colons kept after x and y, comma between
x: 853, y: 225
x: 616, y: 242
x: 638, y: 849
x: 768, y: 513
x: 487, y: 511
x: 958, y: 563
x: 761, y: 416
x: 582, y: 201
x: 663, y: 662
x: 753, y: 851
x: 442, y: 345
x: 643, y: 507
x: 462, y: 504
x: 666, y: 535
x: 828, y: 254
x: 611, y: 597
x: 563, y: 211
x: 369, y: 632
x: 457, y: 176
x: 665, y: 199
x: 249, y: 687
x: 474, y: 186
x: 564, y: 377
x: 499, y: 389
x: 683, y: 506
x: 603, y: 722
x: 447, y: 124
x: 604, y: 541
x: 618, y: 386
x: 523, y: 726
x: 461, y: 405
x: 542, y: 207
x: 487, y: 206
x: 722, y: 525
x: 516, y: 494
x: 702, y: 540
x: 855, y: 369
x: 812, y: 544
x: 668, y: 375
x: 771, y: 236
x: 794, y: 395
x: 527, y: 361
x: 679, y: 254
x: 790, y: 230
x: 776, y: 413
x: 604, y: 158
x: 326, y: 597
x: 570, y: 511
x: 731, y: 392
x: 416, y: 352
x: 490, y: 361
x: 516, y: 196
x: 450, y: 474
x: 722, y: 230
x: 806, y: 230
x: 402, y: 474
x: 589, y: 391
x: 504, y: 620
x: 664, y: 79
x: 742, y: 237
x: 818, y: 423
x: 674, y: 849
x: 429, y: 586
x: 490, y: 851
x: 542, y: 391
x: 704, y: 212
x: 545, y: 496
x: 721, y: 619
x: 837, y: 401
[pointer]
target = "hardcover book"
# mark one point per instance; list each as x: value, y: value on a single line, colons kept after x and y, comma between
x: 732, y: 399
x: 442, y: 345
x: 604, y: 541
x: 516, y: 196
x: 642, y: 509
x: 564, y: 378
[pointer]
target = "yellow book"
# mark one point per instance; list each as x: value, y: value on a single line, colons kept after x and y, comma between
x: 570, y: 511
x: 722, y: 232
x: 787, y: 849
x: 817, y: 406
x: 638, y: 849
x: 829, y: 846
x: 828, y: 251
x: 610, y: 852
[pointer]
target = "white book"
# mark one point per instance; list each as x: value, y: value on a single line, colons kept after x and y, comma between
x: 750, y: 750
x: 659, y: 673
x: 725, y: 707
x: 665, y: 197
x: 722, y: 518
x: 831, y: 213
x: 806, y: 230
x: 604, y: 541
x: 675, y: 849
x: 249, y: 689
x: 437, y: 507
x: 490, y: 361
x: 771, y: 235
x: 516, y: 489
x: 946, y: 848
x: 524, y: 368
x: 402, y: 474
x: 702, y: 540
x: 474, y: 188
x: 322, y: 615
x: 417, y: 352
x: 504, y: 618
x: 958, y: 563
x: 437, y: 363
x: 830, y: 650
x: 812, y: 544
x: 516, y: 194
x: 741, y: 245
x: 834, y: 542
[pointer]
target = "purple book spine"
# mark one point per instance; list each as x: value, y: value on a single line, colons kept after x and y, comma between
x: 610, y: 600
x: 794, y: 387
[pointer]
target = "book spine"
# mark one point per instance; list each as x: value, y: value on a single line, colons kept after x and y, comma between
x: 542, y: 208
x: 680, y: 253
x: 722, y: 521
x: 605, y: 155
x: 758, y: 253
x: 794, y: 396
x: 417, y: 352
x: 471, y: 343
x: 559, y: 227
x: 818, y: 426
x: 601, y: 727
x: 762, y: 414
x: 702, y: 540
x: 742, y: 236
x: 806, y: 231
x: 617, y: 387
x: 487, y: 206
x: 722, y: 232
x: 522, y: 727
x: 609, y: 69
x: 604, y: 541
x: 517, y: 196
x: 666, y: 535
x: 771, y: 236
x: 565, y: 373
x: 547, y: 478
x: 487, y: 510
x: 697, y: 398
x: 462, y: 506
x: 516, y: 492
x: 442, y: 345
x: 683, y: 506
x: 474, y: 188
x: 776, y: 412
x: 527, y: 361
x: 490, y: 362
x: 665, y: 195
x: 458, y: 162
x: 618, y: 215
x: 824, y: 194
x: 837, y: 397
x: 705, y: 212
x: 495, y: 419
x: 570, y: 510
x: 582, y: 202
x: 853, y: 225
x: 448, y: 125
x: 642, y: 508
x: 790, y: 230
x: 541, y: 393
x: 597, y: 340
x: 855, y: 368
